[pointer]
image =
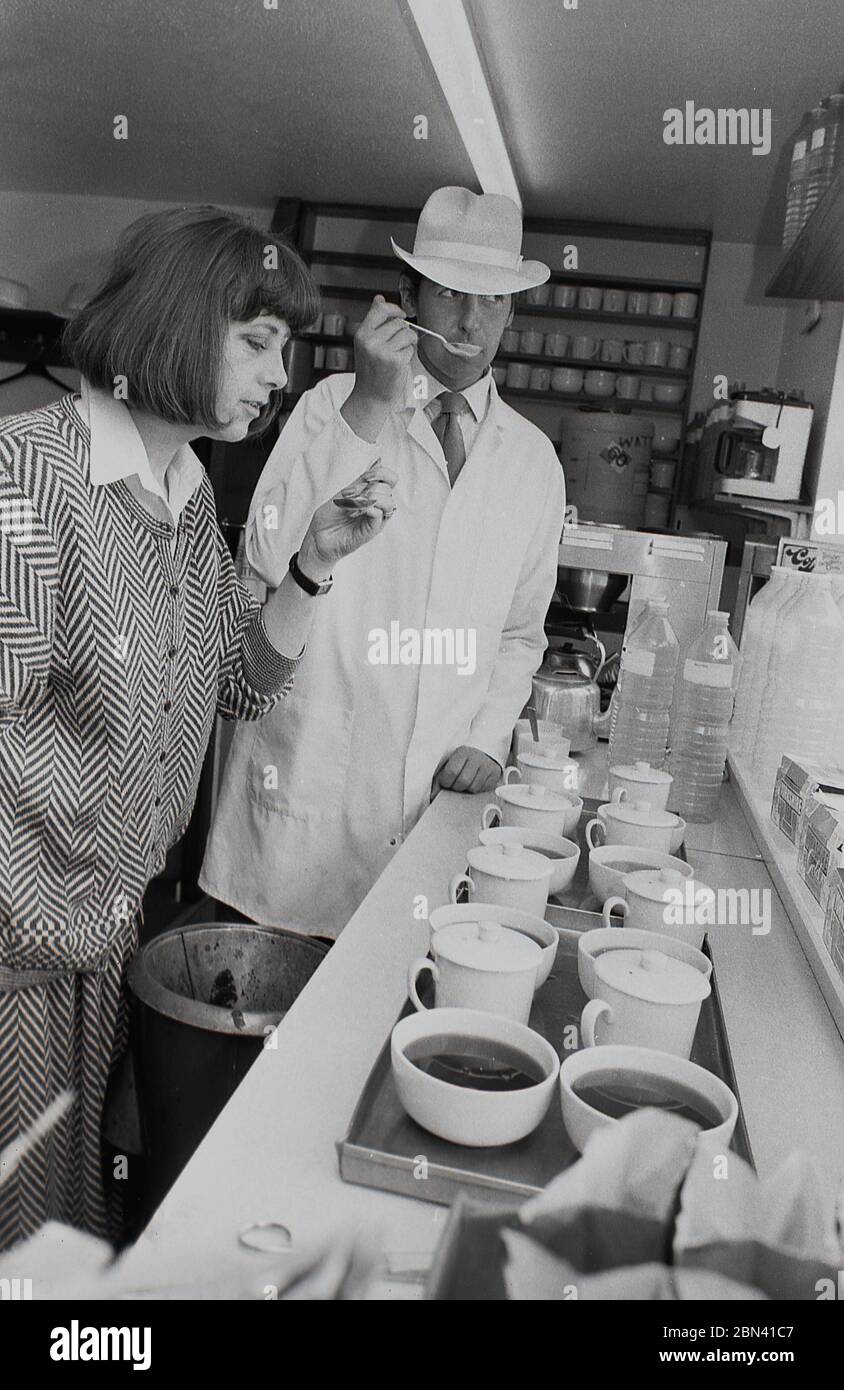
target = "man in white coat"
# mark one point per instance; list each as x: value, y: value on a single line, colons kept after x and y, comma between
x: 421, y: 656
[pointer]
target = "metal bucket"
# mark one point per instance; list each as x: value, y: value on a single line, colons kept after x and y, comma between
x: 207, y: 997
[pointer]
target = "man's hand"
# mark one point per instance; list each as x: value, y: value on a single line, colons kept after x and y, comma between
x: 384, y: 346
x: 466, y: 770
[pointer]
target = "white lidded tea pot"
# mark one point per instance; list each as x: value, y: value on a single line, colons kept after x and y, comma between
x: 480, y: 965
x: 533, y: 807
x: 644, y: 999
x: 506, y: 874
x: 632, y: 823
x: 641, y: 782
x: 663, y: 900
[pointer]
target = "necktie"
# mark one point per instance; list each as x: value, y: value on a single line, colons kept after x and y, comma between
x: 446, y: 427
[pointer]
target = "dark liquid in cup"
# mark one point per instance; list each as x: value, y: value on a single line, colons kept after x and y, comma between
x: 475, y: 1062
x: 618, y: 1096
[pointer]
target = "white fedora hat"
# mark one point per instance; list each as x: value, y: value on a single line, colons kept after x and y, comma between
x: 472, y: 242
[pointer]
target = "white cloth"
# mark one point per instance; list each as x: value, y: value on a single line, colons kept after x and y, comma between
x: 316, y: 796
x: 117, y: 451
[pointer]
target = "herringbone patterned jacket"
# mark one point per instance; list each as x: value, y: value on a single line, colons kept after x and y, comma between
x: 114, y: 655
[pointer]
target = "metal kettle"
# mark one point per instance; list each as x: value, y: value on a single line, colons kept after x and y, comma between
x: 565, y: 691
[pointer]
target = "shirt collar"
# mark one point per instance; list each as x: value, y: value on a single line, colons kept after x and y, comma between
x: 478, y: 395
x: 117, y: 451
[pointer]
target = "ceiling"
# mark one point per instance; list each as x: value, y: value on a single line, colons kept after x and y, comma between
x: 228, y: 101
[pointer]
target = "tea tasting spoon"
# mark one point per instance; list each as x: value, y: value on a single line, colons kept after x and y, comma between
x: 534, y: 727
x: 458, y: 349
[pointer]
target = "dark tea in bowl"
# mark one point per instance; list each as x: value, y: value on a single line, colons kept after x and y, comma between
x: 600, y: 1085
x: 472, y: 1078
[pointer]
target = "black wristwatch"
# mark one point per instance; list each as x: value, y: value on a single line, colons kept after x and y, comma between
x: 311, y: 586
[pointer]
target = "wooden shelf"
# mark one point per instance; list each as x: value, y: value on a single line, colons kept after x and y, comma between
x: 618, y: 407
x: 592, y: 364
x: 813, y: 268
x: 553, y: 311
x: 557, y: 277
x: 31, y: 336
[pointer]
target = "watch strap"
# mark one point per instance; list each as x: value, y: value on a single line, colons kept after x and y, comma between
x: 311, y: 586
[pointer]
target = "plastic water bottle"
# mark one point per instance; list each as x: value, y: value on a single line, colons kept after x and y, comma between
x: 800, y: 713
x: 757, y: 642
x: 645, y: 690
x: 709, y: 679
x: 643, y: 613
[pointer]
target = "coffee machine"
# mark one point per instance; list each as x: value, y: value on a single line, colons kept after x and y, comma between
x: 756, y: 447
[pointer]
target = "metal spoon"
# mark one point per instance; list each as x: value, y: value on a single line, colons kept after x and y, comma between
x: 458, y: 349
x: 534, y: 727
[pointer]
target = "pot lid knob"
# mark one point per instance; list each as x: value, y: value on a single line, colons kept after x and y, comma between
x: 641, y: 806
x: 670, y: 876
x: 536, y: 790
x: 489, y: 931
x: 642, y: 767
x: 510, y: 850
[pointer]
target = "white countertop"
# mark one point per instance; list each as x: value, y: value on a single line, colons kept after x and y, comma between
x: 271, y: 1153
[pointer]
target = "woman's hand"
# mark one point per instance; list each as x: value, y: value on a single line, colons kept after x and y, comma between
x: 338, y: 528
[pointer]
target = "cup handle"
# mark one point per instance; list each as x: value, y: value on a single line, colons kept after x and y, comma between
x: 614, y: 905
x: 592, y: 1012
x: 486, y: 819
x: 620, y: 794
x: 456, y: 884
x: 593, y: 355
x: 511, y: 774
x: 413, y: 973
x: 595, y: 825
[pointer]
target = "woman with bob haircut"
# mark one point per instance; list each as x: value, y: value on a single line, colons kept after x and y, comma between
x: 123, y: 630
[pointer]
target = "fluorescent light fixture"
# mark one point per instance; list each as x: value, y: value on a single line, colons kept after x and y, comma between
x: 446, y: 34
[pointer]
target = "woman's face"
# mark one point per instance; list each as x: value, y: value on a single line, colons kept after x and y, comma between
x: 252, y: 368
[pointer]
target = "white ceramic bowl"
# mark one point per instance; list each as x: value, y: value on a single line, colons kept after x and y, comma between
x: 460, y: 1114
x: 607, y: 881
x: 540, y: 931
x: 564, y: 854
x: 592, y: 944
x: 582, y: 1120
x: 669, y: 392
x: 678, y: 831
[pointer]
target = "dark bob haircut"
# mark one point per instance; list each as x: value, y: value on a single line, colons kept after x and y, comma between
x: 177, y: 280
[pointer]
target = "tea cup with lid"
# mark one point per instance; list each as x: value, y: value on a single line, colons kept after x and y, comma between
x: 480, y: 965
x: 632, y: 823
x: 665, y: 901
x: 550, y: 736
x: 533, y: 807
x: 549, y: 767
x: 644, y: 999
x: 678, y: 831
x: 543, y: 933
x: 641, y: 782
x: 507, y: 874
x: 562, y: 854
x: 594, y: 943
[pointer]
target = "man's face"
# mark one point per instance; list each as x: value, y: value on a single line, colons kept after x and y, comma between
x: 461, y: 318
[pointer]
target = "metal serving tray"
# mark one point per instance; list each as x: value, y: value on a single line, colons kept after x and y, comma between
x: 384, y: 1148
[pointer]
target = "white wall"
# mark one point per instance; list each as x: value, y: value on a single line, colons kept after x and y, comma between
x: 741, y: 332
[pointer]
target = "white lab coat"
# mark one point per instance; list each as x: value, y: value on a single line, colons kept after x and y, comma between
x: 316, y: 796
